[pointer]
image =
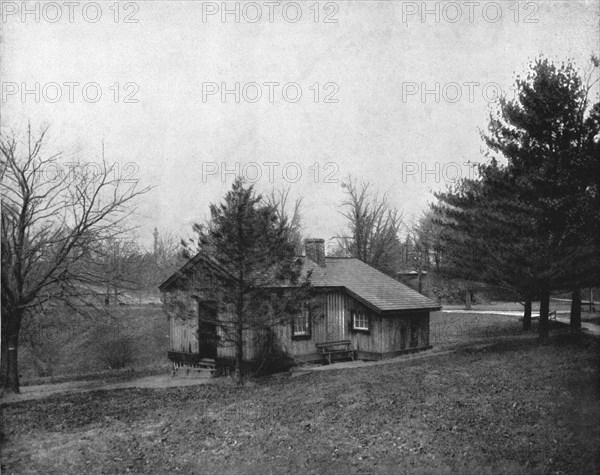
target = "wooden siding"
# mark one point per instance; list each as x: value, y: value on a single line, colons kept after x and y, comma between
x: 330, y: 320
x: 304, y: 346
x: 252, y: 342
x: 183, y: 322
x: 333, y: 323
x: 293, y: 347
x: 405, y: 330
x: 328, y: 323
x: 335, y: 316
x: 184, y: 335
x: 369, y: 341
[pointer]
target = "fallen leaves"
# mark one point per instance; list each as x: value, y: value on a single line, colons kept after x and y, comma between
x: 471, y: 414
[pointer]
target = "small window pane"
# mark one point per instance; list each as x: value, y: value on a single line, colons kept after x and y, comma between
x: 360, y: 321
x: 301, y: 323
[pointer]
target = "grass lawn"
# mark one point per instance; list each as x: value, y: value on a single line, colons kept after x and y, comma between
x: 513, y: 407
x: 451, y: 329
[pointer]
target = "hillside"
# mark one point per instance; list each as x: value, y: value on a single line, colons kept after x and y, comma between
x: 512, y: 407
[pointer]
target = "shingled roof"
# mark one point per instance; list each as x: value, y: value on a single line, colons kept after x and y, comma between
x: 367, y: 284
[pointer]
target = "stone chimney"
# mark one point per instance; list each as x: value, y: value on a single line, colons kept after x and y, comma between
x: 315, y: 250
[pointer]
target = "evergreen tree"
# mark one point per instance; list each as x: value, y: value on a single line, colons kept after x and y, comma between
x: 253, y: 241
x: 532, y: 224
x: 549, y: 136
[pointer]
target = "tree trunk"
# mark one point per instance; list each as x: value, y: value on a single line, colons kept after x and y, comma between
x: 544, y: 314
x: 527, y: 315
x: 3, y: 353
x: 10, y: 343
x: 239, y: 354
x: 467, y: 299
x: 576, y: 310
x: 239, y: 339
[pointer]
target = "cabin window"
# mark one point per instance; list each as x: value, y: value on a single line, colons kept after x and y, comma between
x: 301, y: 324
x: 360, y: 321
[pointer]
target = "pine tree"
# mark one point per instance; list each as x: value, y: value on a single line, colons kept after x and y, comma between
x: 549, y: 136
x: 532, y: 224
x: 251, y: 239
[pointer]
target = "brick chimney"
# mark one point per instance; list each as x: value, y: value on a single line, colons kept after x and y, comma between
x: 315, y: 250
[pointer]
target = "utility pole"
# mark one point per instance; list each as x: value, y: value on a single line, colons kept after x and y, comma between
x: 155, y: 234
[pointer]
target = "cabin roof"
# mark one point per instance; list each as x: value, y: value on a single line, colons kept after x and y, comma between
x: 185, y: 270
x: 369, y: 285
x: 365, y: 283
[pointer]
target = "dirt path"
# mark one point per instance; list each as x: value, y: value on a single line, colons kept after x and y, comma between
x: 360, y: 364
x: 510, y: 313
x: 166, y: 381
x: 45, y: 390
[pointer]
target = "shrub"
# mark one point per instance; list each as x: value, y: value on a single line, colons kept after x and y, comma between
x: 115, y: 345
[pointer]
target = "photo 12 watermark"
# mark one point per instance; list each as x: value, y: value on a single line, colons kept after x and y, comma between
x: 469, y: 12
x: 270, y: 12
x: 70, y: 12
x: 269, y: 92
x: 73, y: 172
x: 453, y: 92
x: 437, y: 172
x: 253, y: 172
x: 71, y: 91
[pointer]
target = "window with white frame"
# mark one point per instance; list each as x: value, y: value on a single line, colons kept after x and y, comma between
x: 360, y: 321
x: 301, y: 323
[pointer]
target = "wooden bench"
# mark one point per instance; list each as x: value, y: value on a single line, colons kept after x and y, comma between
x: 337, y: 347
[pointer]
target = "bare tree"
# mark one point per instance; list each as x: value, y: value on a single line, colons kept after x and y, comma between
x: 280, y: 200
x: 373, y: 227
x: 166, y: 256
x: 50, y: 228
x: 117, y: 264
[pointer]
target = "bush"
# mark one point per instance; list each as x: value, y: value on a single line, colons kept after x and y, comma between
x: 115, y: 345
x: 118, y: 353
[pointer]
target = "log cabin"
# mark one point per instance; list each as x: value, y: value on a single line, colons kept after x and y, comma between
x: 360, y: 313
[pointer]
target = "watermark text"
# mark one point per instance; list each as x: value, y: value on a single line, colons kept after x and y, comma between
x: 270, y: 12
x: 72, y: 12
x: 469, y: 12
x: 272, y: 91
x: 71, y: 91
x: 253, y: 172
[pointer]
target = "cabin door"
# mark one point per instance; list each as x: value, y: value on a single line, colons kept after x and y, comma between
x: 207, y: 329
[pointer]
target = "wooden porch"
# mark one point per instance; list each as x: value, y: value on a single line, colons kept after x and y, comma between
x: 192, y: 365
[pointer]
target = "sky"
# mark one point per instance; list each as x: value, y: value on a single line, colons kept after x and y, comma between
x: 187, y: 94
